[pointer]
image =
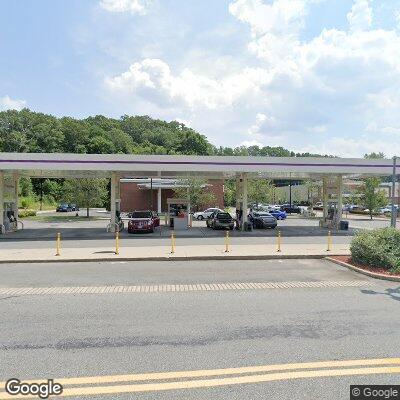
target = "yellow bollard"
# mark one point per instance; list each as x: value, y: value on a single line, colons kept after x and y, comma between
x: 117, y: 243
x: 329, y: 241
x: 58, y: 241
x: 279, y: 242
x: 227, y: 242
x: 172, y: 243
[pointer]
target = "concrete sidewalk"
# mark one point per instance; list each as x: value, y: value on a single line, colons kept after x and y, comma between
x: 264, y: 251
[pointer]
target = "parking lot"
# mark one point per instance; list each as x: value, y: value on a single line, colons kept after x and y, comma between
x: 75, y: 231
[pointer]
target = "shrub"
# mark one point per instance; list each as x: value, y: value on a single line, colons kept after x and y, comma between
x: 26, y: 213
x: 377, y: 248
x: 27, y: 202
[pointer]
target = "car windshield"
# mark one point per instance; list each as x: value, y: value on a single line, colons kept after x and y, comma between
x: 141, y: 214
x: 264, y: 215
x: 63, y: 205
x: 223, y: 215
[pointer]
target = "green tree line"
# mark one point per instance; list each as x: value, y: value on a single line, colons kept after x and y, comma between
x: 27, y: 131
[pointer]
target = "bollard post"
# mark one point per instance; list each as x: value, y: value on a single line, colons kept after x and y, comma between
x: 172, y: 243
x: 58, y: 244
x: 329, y: 241
x: 116, y: 242
x: 227, y: 242
x: 279, y: 241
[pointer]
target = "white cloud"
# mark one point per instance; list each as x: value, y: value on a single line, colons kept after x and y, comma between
x: 133, y: 6
x: 153, y: 78
x: 349, y: 147
x: 7, y: 103
x: 338, y: 83
x: 280, y: 16
x: 360, y: 16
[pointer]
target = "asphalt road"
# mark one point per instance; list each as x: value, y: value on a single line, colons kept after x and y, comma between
x: 109, y: 334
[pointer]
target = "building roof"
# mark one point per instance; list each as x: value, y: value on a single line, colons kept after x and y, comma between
x: 173, y: 166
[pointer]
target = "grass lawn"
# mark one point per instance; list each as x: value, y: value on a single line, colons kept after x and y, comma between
x: 61, y: 218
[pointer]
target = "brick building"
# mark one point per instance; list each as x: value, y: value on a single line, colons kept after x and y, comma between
x: 146, y: 194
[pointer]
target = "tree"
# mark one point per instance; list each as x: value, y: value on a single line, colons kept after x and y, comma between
x: 370, y: 196
x: 196, y: 191
x: 86, y: 192
x: 260, y: 191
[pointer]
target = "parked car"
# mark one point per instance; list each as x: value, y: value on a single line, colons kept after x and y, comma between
x: 291, y: 209
x: 221, y: 220
x: 143, y: 221
x: 278, y: 214
x: 263, y: 220
x: 200, y: 215
x: 318, y: 205
x: 74, y: 207
x: 64, y: 207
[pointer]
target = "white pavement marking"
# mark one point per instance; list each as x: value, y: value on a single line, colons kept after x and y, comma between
x: 7, y: 291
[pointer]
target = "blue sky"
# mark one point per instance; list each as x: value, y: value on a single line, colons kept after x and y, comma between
x: 310, y: 75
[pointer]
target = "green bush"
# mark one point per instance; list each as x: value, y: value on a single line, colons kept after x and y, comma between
x: 377, y: 248
x: 26, y: 213
x: 27, y: 202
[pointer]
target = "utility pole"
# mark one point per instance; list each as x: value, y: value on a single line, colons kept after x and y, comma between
x: 394, y: 178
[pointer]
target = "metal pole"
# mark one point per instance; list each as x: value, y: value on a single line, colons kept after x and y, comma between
x: 279, y: 242
x: 58, y: 244
x: 172, y: 243
x: 227, y: 242
x: 329, y: 247
x: 117, y: 242
x: 394, y: 211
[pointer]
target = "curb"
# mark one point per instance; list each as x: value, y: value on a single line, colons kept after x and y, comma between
x: 364, y: 272
x: 173, y: 258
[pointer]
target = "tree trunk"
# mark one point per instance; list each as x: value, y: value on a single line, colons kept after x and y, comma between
x: 87, y: 212
x: 370, y: 214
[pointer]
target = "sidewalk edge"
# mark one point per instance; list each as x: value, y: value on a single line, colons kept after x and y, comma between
x: 363, y: 271
x: 172, y: 258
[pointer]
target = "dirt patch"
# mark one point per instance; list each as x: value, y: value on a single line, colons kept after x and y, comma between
x: 376, y: 270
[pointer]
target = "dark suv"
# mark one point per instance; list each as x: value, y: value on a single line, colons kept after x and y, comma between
x: 291, y: 209
x: 221, y: 220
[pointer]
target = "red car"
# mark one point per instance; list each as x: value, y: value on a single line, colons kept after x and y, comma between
x: 143, y: 221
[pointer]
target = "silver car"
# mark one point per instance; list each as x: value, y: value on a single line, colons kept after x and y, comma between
x: 200, y: 215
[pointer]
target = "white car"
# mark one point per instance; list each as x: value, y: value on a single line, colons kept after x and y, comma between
x: 200, y: 215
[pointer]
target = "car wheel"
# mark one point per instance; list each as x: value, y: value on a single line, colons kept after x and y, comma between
x: 200, y: 218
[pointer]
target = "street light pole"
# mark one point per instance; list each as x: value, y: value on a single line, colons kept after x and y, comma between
x: 394, y: 178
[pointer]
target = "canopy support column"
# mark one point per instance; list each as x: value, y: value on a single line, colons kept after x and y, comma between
x: 325, y: 197
x: 115, y: 198
x: 394, y: 210
x: 244, y: 194
x: 15, y: 198
x: 340, y: 201
x: 159, y: 200
x: 1, y: 202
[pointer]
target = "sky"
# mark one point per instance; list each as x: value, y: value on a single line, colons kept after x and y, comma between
x: 319, y: 76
